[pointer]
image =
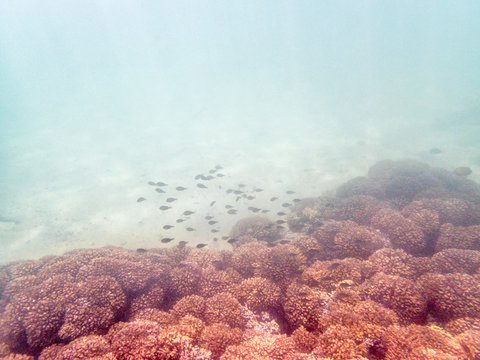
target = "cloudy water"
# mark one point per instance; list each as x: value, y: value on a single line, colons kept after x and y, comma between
x: 271, y: 99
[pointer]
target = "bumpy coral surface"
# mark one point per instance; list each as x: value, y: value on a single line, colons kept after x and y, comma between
x: 389, y: 268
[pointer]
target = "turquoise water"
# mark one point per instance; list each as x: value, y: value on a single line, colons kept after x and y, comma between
x: 97, y: 98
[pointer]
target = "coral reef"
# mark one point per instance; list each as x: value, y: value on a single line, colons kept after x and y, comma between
x: 389, y: 268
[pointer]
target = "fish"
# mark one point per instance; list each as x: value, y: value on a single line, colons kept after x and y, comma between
x: 160, y: 191
x: 179, y: 221
x: 188, y: 212
x: 333, y: 266
x: 265, y: 211
x: 180, y: 188
x: 171, y: 199
x: 199, y: 246
x: 286, y: 204
x: 283, y: 242
x: 238, y: 198
x: 212, y: 222
x: 273, y: 198
x: 208, y: 217
x: 250, y: 197
x: 213, y: 171
x: 254, y: 209
x: 201, y: 186
x: 232, y: 240
x: 462, y: 171
x: 167, y: 240
x: 212, y: 203
x: 228, y: 206
x: 435, y: 151
x: 220, y: 175
x: 232, y: 211
x: 224, y: 237
x: 214, y: 231
x: 238, y: 192
x: 209, y: 177
x: 241, y: 185
x: 281, y: 213
x: 190, y: 229
x: 164, y: 207
x: 229, y: 191
x: 141, y: 250
x: 182, y: 243
x: 166, y: 227
x: 280, y: 222
x: 151, y: 183
x: 290, y: 192
x: 199, y: 177
x: 296, y: 200
x: 258, y: 190
x: 140, y: 199
x: 218, y: 167
x: 215, y: 239
x: 161, y: 184
x: 281, y: 227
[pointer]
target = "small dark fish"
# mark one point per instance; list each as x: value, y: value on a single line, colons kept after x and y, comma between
x: 201, y: 186
x: 188, y: 212
x: 212, y: 203
x: 238, y: 198
x: 161, y: 184
x: 212, y: 222
x: 141, y: 250
x: 241, y: 185
x: 258, y: 190
x: 140, y: 199
x: 164, y: 207
x: 209, y: 177
x: 208, y: 217
x: 254, y: 209
x: 286, y: 204
x: 224, y: 237
x: 180, y: 188
x: 190, y: 229
x: 167, y: 240
x: 435, y: 151
x: 220, y: 175
x: 229, y: 191
x: 273, y: 198
x: 333, y: 266
x: 296, y: 200
x: 281, y: 213
x: 214, y: 231
x: 169, y: 200
x: 151, y: 183
x: 280, y: 222
x: 182, y: 243
x: 219, y: 167
x: 199, y: 176
x: 265, y: 211
x: 232, y: 240
x: 215, y: 239
x: 271, y: 244
x: 250, y: 197
x: 228, y: 206
x: 160, y: 191
x: 232, y: 211
x: 213, y: 171
x: 281, y: 227
x: 283, y: 242
x: 178, y: 221
x: 199, y: 246
x: 290, y: 192
x: 238, y: 192
x: 166, y: 227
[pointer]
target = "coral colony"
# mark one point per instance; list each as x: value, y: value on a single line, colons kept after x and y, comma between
x: 389, y: 268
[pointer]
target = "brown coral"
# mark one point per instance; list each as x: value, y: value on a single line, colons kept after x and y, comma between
x: 258, y: 294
